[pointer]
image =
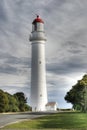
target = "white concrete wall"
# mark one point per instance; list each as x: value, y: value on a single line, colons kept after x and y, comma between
x: 51, y: 108
x: 38, y: 77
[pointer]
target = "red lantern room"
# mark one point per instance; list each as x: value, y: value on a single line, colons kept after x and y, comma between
x: 38, y: 19
x: 38, y: 24
x: 38, y: 30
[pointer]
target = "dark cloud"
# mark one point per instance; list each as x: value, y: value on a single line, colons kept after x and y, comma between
x: 26, y: 62
x: 9, y: 59
x: 3, y: 16
x: 13, y: 65
x: 73, y: 65
x: 8, y: 69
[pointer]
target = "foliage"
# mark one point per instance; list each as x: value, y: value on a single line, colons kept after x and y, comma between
x: 78, y: 95
x: 27, y: 107
x: 66, y: 120
x: 20, y: 97
x: 13, y: 103
x: 3, y: 101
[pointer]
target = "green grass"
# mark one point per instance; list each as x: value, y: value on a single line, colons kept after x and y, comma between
x: 66, y: 120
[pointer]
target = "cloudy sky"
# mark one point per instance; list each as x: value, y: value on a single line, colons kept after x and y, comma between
x: 66, y: 46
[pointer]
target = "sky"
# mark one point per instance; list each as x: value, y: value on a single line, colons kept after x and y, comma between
x: 65, y: 24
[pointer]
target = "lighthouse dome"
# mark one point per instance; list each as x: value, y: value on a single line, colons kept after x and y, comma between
x: 38, y: 19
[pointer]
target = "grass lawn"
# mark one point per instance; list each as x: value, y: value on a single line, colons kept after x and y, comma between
x: 66, y: 120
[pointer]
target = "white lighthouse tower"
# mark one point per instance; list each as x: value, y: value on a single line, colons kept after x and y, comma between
x: 38, y: 71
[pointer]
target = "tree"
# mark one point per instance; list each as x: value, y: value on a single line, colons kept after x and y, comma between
x: 3, y: 101
x: 22, y: 100
x: 78, y: 95
x: 12, y: 103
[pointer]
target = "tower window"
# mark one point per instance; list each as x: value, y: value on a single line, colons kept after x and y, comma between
x: 35, y: 26
x: 39, y: 62
x: 40, y: 95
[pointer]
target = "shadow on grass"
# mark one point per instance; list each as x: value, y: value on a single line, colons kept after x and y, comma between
x: 68, y: 120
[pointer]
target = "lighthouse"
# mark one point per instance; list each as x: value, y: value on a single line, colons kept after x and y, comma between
x: 38, y: 68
